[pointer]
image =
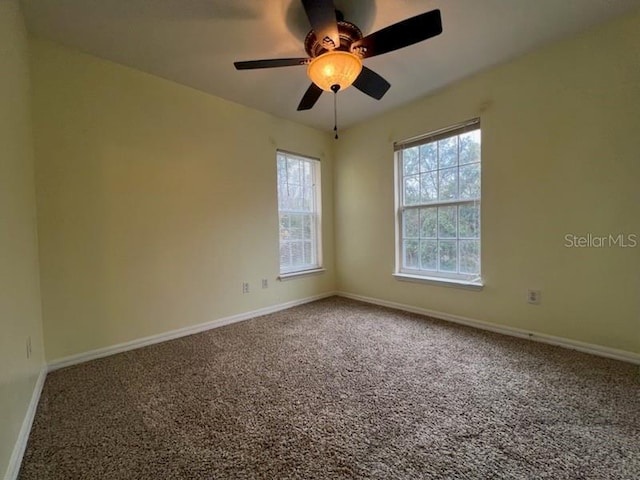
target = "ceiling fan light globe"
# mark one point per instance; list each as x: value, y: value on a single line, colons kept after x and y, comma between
x: 334, y: 68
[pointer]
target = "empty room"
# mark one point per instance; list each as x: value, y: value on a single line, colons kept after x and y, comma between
x: 317, y: 239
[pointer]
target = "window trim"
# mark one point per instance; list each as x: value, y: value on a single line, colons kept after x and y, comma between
x: 453, y: 279
x: 318, y: 267
x: 440, y: 281
x: 300, y: 273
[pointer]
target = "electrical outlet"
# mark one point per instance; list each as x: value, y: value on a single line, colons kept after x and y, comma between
x: 265, y: 283
x: 534, y: 297
x: 245, y: 287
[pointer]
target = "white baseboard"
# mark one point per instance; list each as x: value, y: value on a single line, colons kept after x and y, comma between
x: 182, y: 332
x: 601, y: 351
x: 21, y: 443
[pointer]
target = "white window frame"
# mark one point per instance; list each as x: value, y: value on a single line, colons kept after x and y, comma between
x: 315, y: 211
x: 473, y: 281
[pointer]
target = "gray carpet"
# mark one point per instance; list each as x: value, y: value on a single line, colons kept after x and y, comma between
x: 339, y: 389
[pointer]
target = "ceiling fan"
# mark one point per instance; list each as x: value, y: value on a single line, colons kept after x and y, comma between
x: 336, y: 48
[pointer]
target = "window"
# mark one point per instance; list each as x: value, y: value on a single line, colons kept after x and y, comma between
x: 438, y: 198
x: 299, y: 213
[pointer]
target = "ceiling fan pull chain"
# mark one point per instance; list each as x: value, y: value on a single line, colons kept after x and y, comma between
x: 335, y: 89
x: 335, y: 113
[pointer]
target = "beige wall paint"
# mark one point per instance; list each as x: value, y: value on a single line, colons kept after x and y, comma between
x: 20, y: 315
x: 560, y: 156
x: 155, y: 203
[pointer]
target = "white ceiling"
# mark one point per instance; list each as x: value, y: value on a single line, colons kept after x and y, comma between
x: 195, y: 42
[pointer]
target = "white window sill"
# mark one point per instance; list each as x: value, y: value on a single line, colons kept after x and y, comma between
x: 303, y: 273
x: 440, y: 281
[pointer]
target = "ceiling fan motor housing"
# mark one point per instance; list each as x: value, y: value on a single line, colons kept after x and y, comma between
x: 348, y: 32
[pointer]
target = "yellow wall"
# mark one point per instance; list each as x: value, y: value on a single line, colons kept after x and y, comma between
x: 19, y: 285
x: 155, y: 203
x: 560, y: 156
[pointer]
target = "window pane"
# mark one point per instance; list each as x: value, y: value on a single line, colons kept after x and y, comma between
x: 295, y: 230
x: 285, y: 224
x: 307, y: 174
x: 411, y: 190
x: 470, y: 147
x: 447, y: 222
x: 292, y: 198
x: 411, y: 223
x: 429, y: 222
x: 297, y: 256
x: 470, y: 181
x: 469, y: 256
x: 469, y: 221
x: 429, y: 254
x: 448, y: 152
x: 410, y: 254
x: 428, y: 187
x: 429, y: 157
x: 282, y: 174
x: 285, y: 261
x: 410, y: 160
x: 448, y: 184
x: 308, y: 253
x: 307, y: 227
x: 447, y: 255
x: 293, y: 172
x: 307, y: 199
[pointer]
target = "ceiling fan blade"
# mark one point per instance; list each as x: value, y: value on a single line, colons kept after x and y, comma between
x: 400, y: 35
x: 371, y: 83
x: 310, y: 97
x: 322, y: 17
x: 271, y: 63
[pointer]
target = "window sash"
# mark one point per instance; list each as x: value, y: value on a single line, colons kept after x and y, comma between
x: 419, y: 239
